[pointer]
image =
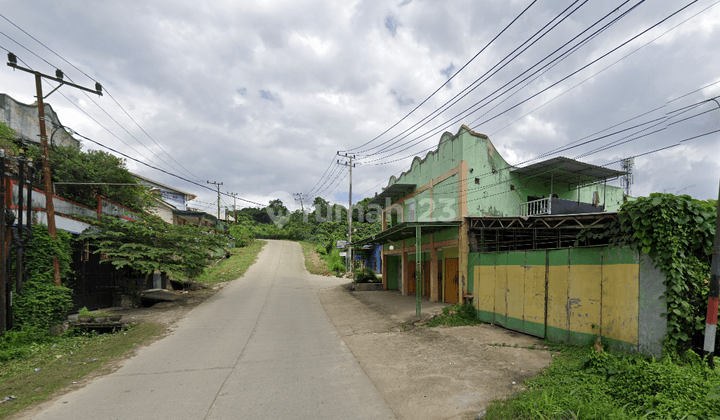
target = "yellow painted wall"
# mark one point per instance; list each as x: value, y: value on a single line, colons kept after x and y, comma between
x: 620, y: 297
x: 557, y: 298
x: 584, y: 298
x: 515, y: 291
x: 484, y: 287
x: 500, y: 289
x: 534, y: 305
x: 589, y: 292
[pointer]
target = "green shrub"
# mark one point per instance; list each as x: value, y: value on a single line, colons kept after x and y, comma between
x: 593, y: 385
x: 321, y: 250
x: 42, y: 304
x: 335, y: 262
x: 20, y: 344
x: 456, y: 315
x: 365, y: 275
x: 242, y: 234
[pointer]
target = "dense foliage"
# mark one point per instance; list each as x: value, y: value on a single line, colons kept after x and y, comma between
x: 677, y: 233
x: 585, y: 384
x: 323, y: 226
x: 68, y: 164
x: 150, y: 244
x: 7, y: 137
x: 42, y: 304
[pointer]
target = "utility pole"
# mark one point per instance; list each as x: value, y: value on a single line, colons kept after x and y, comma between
x: 234, y: 196
x: 218, y: 190
x: 714, y: 296
x: 300, y: 197
x: 49, y: 206
x: 349, y: 164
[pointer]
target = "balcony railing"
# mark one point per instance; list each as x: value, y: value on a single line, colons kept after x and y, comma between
x: 535, y: 207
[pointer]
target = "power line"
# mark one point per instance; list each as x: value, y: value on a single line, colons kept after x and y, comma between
x: 85, y: 112
x: 570, y: 145
x: 106, y: 91
x: 430, y: 133
x: 474, y: 85
x: 450, y: 78
x: 591, y: 63
x: 160, y: 169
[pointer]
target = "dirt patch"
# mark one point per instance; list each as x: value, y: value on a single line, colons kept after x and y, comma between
x: 431, y: 373
x: 167, y: 313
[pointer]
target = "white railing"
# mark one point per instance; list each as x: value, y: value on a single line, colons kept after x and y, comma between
x: 535, y: 207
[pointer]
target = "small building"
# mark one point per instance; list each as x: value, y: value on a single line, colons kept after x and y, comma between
x: 172, y: 199
x: 23, y: 118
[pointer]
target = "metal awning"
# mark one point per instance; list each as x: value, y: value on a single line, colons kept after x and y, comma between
x: 394, y: 193
x: 570, y: 171
x: 405, y: 231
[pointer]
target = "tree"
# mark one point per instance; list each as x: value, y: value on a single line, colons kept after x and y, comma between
x: 151, y: 244
x: 68, y: 164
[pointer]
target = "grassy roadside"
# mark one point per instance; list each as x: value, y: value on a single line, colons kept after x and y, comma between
x: 59, y: 362
x: 234, y: 267
x: 584, y: 384
x: 314, y: 263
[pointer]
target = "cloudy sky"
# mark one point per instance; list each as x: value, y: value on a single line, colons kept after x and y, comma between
x: 260, y: 95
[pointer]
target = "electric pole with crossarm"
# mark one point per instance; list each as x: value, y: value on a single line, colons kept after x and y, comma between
x: 49, y: 206
x: 218, y: 190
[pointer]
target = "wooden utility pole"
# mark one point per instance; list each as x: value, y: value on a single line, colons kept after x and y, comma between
x: 218, y: 191
x: 300, y: 197
x: 49, y: 206
x: 234, y: 196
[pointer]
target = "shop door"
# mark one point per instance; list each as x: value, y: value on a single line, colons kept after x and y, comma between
x: 411, y: 277
x: 426, y: 279
x: 452, y: 282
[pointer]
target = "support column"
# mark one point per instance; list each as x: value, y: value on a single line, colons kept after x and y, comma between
x: 463, y: 259
x: 418, y: 269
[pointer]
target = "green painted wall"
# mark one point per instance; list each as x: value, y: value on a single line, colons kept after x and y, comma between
x: 425, y: 256
x: 492, y: 190
x: 446, y: 234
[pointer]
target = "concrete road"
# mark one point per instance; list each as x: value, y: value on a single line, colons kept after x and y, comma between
x: 262, y: 348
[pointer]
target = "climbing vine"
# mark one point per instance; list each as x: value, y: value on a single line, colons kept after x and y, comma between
x: 41, y: 303
x: 677, y: 233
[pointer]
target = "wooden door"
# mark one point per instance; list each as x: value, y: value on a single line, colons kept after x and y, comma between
x: 452, y: 283
x: 426, y: 279
x: 411, y: 277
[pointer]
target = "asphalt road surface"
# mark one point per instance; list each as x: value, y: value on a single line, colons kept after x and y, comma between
x: 262, y: 348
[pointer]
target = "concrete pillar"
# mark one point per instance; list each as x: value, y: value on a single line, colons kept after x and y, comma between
x: 463, y: 249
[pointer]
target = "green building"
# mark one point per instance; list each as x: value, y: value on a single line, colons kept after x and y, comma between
x: 463, y: 225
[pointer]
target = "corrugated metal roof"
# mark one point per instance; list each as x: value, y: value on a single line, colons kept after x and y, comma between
x: 405, y: 231
x: 393, y: 192
x: 566, y: 170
